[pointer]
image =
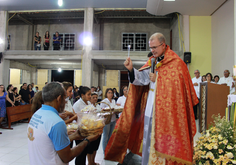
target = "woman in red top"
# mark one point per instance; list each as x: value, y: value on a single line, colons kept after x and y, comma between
x: 46, y: 40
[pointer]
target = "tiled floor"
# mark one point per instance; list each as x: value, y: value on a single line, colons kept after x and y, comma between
x: 14, y: 148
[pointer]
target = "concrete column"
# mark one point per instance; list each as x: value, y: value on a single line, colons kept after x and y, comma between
x: 5, y: 64
x: 102, y: 79
x: 87, y: 69
x: 33, y: 74
x: 186, y: 31
x: 49, y: 75
x: 95, y: 79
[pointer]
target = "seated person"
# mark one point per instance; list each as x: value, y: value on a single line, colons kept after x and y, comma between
x: 216, y: 79
x: 209, y: 78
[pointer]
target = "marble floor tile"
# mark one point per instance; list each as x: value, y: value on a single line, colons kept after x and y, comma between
x: 14, y: 147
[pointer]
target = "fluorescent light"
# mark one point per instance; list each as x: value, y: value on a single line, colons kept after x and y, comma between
x: 169, y: 0
x: 60, y: 3
x: 59, y: 69
x: 1, y: 41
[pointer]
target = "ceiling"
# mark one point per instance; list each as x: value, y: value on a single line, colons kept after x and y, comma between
x: 77, y: 16
x: 185, y: 7
x: 155, y: 7
x: 69, y: 4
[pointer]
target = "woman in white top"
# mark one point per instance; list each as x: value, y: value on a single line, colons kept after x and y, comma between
x: 85, y: 97
x: 121, y: 100
x: 216, y: 79
x: 69, y: 114
x: 108, y: 129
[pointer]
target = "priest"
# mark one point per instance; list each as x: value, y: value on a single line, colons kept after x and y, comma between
x: 158, y: 120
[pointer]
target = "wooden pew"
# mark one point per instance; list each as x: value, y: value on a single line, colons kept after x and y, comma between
x: 18, y: 113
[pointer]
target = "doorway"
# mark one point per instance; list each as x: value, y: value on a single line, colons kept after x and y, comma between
x: 124, y: 81
x: 64, y: 75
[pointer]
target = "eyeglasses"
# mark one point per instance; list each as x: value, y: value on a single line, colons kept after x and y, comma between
x: 196, y: 72
x: 155, y: 47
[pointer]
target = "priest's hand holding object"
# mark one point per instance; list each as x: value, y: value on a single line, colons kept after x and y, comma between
x: 152, y: 77
x: 128, y: 64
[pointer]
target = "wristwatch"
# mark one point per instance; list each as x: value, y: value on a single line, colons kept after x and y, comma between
x: 87, y: 141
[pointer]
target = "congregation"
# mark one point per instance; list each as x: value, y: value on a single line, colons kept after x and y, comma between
x: 76, y: 99
x: 58, y: 104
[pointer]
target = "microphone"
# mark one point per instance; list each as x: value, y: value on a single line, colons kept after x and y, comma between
x: 153, y: 60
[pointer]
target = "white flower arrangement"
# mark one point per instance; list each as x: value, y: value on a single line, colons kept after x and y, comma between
x: 217, y: 145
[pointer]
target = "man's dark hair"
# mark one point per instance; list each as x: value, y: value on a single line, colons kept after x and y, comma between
x: 51, y: 91
x: 24, y: 84
x: 83, y: 90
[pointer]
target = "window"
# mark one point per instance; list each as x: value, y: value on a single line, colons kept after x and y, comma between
x: 137, y: 41
x: 67, y: 41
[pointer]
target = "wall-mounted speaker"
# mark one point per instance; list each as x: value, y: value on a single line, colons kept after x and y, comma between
x: 187, y: 57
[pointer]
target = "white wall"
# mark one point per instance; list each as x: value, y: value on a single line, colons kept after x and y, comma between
x: 20, y: 37
x: 223, y: 39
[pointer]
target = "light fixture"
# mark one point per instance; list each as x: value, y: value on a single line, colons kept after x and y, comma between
x: 87, y: 41
x: 86, y: 38
x: 169, y: 0
x: 60, y: 3
x: 1, y: 41
x: 59, y: 69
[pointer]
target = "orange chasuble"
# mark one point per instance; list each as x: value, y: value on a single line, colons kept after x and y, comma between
x: 173, y: 117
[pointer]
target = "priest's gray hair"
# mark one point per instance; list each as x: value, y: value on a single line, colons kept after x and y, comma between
x: 161, y: 38
x: 52, y: 90
x: 197, y: 70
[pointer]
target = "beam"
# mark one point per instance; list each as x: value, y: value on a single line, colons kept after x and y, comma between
x: 24, y: 20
